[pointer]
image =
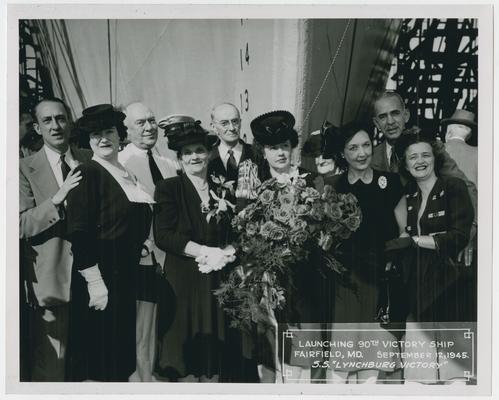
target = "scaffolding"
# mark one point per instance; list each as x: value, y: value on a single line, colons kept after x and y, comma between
x: 436, y: 68
x: 34, y: 78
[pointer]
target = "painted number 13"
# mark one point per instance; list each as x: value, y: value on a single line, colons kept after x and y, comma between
x: 244, y: 100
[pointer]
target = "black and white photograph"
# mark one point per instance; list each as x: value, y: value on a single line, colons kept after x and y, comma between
x: 284, y: 199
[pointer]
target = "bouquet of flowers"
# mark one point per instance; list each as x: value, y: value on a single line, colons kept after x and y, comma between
x: 286, y: 222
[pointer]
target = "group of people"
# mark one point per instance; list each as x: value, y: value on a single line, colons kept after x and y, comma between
x: 119, y: 261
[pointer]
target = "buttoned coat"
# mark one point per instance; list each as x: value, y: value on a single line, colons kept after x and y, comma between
x: 47, y: 256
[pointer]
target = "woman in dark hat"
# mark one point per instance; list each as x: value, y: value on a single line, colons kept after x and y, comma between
x: 378, y: 193
x: 108, y: 217
x: 274, y: 139
x: 192, y: 343
x: 319, y: 147
x: 307, y: 294
x: 439, y: 219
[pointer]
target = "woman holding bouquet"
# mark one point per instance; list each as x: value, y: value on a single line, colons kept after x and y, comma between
x: 306, y: 290
x: 192, y: 340
x: 357, y: 298
x: 274, y: 141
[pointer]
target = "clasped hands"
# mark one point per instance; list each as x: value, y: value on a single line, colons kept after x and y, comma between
x: 214, y: 258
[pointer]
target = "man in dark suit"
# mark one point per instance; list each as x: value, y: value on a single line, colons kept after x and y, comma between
x: 390, y: 117
x: 45, y: 179
x: 231, y: 150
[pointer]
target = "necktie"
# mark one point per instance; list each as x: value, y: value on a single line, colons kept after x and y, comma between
x: 64, y: 167
x: 155, y: 172
x: 393, y: 161
x: 231, y: 166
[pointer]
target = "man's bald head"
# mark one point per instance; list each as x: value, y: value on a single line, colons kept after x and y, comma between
x: 226, y: 122
x: 142, y: 126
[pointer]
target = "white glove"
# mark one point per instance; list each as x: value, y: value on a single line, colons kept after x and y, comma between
x: 214, y: 258
x: 97, y: 289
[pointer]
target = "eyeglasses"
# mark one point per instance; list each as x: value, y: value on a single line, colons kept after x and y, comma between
x: 226, y: 123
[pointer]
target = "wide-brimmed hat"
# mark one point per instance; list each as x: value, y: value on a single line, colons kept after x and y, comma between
x: 462, y: 117
x: 274, y: 127
x: 98, y: 118
x: 320, y: 142
x: 182, y: 130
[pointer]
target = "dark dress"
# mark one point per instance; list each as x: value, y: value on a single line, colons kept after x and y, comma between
x: 358, y: 299
x: 193, y: 336
x: 105, y: 229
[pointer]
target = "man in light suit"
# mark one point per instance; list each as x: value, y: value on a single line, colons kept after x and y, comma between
x: 45, y: 179
x: 143, y: 159
x: 460, y: 127
x: 231, y: 150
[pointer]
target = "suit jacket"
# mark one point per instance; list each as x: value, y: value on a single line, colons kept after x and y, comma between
x: 216, y: 165
x: 137, y: 162
x: 47, y: 256
x: 379, y: 159
x: 466, y: 158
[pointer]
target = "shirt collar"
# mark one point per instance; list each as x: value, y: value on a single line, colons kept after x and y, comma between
x: 389, y: 149
x: 223, y: 149
x: 54, y: 157
x: 141, y: 152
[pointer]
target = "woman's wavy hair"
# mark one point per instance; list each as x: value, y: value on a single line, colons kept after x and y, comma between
x: 416, y: 135
x: 340, y: 139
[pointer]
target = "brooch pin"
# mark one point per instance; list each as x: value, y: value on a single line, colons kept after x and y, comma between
x: 205, y: 207
x: 382, y: 182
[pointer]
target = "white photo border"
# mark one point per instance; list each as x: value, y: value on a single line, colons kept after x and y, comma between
x: 483, y: 13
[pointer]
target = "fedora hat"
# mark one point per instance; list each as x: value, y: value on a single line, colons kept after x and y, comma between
x: 462, y: 117
x: 274, y: 127
x: 182, y: 130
